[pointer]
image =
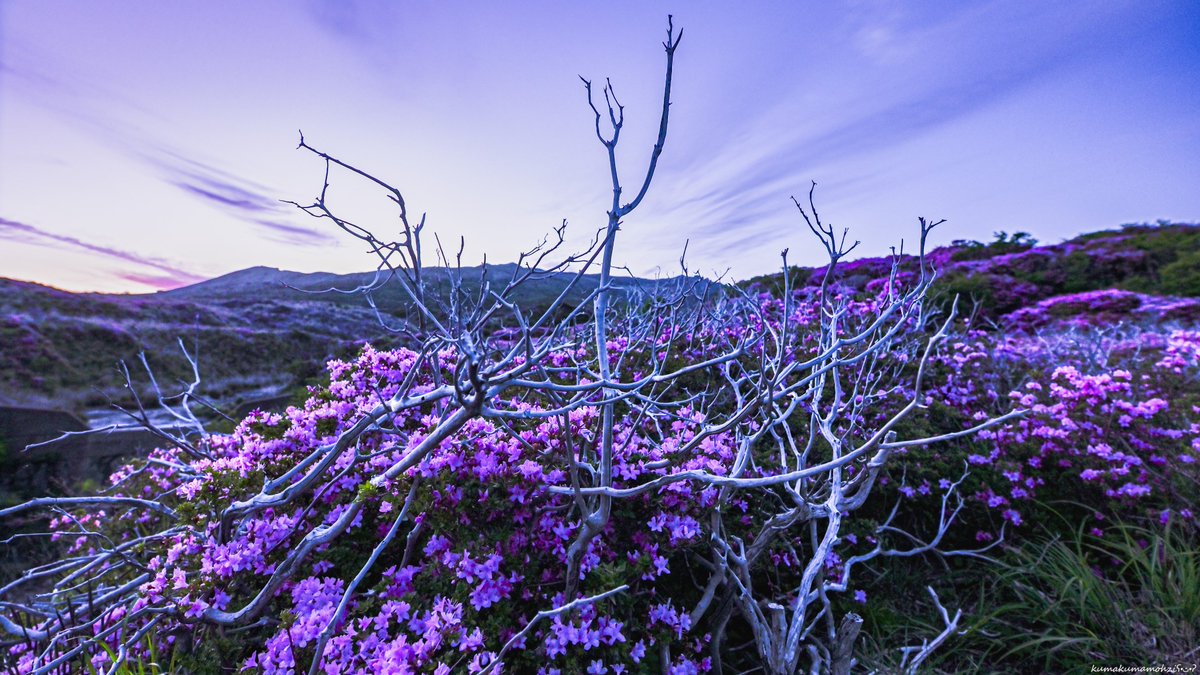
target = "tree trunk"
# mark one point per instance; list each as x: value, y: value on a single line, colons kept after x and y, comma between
x: 843, y: 650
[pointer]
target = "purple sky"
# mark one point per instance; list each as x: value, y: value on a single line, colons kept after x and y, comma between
x: 145, y: 145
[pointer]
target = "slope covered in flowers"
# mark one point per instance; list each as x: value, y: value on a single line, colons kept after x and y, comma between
x: 1109, y: 381
x: 1014, y: 272
x: 491, y: 556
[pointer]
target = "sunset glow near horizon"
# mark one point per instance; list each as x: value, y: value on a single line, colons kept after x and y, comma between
x: 148, y: 145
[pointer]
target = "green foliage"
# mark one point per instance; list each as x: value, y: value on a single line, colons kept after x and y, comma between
x: 1182, y: 276
x: 1055, y: 604
x: 900, y: 611
x: 149, y: 662
x: 1083, y: 600
x: 1014, y: 271
x: 969, y: 289
x: 210, y: 652
x: 1004, y: 243
x: 1173, y: 258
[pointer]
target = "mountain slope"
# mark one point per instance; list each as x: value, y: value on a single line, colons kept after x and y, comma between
x: 256, y: 331
x: 1014, y: 272
x: 61, y: 349
x: 261, y: 330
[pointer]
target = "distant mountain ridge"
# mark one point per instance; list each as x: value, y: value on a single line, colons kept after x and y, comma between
x: 258, y: 331
x: 258, y: 276
x: 272, y: 283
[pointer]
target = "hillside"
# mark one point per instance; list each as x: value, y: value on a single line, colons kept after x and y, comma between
x: 262, y: 331
x: 62, y: 349
x: 1007, y: 279
x: 258, y: 331
x: 267, y: 283
x: 1046, y: 447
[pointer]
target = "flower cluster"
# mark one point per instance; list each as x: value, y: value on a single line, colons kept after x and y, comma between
x: 1111, y: 423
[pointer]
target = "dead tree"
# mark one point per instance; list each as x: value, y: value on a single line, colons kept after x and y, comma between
x: 807, y: 446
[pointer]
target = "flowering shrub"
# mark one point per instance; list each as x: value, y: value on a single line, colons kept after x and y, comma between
x: 1095, y: 308
x: 1111, y: 433
x: 1130, y: 438
x: 635, y: 484
x: 446, y: 564
x: 491, y: 518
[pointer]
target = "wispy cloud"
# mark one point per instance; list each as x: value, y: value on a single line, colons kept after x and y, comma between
x: 244, y: 199
x: 223, y: 195
x: 92, y: 110
x: 161, y: 282
x: 168, y: 275
x: 740, y: 197
x: 286, y: 232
